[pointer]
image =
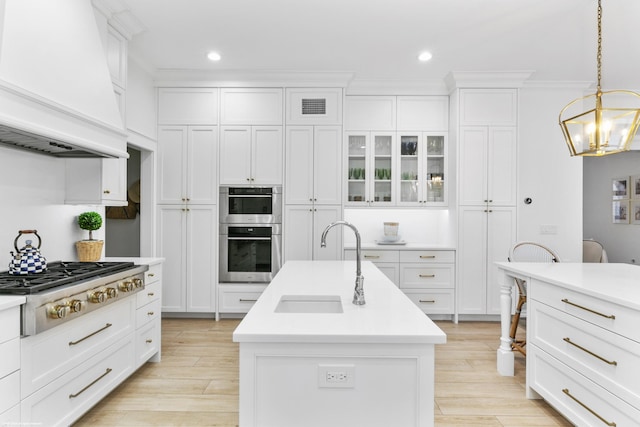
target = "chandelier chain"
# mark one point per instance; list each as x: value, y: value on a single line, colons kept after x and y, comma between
x: 599, y: 55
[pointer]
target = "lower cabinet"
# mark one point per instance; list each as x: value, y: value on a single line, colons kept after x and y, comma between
x: 303, y: 227
x: 10, y: 366
x: 238, y: 297
x: 427, y: 277
x: 148, y: 311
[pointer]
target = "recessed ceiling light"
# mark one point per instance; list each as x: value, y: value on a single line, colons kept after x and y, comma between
x: 214, y: 56
x: 424, y: 56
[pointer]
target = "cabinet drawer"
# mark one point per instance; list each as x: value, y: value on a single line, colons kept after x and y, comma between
x: 427, y: 256
x: 9, y: 386
x: 63, y: 401
x: 147, y: 342
x: 607, y: 358
x: 9, y: 357
x: 149, y: 294
x: 153, y: 274
x: 433, y: 302
x: 426, y: 276
x: 238, y: 298
x: 553, y: 380
x: 374, y: 255
x: 10, y: 321
x: 12, y: 416
x: 148, y: 313
x: 608, y: 315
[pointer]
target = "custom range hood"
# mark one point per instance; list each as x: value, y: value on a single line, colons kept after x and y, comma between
x: 56, y: 95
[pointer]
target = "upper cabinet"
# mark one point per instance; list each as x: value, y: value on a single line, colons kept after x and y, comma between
x: 187, y: 106
x: 116, y: 50
x: 307, y: 106
x: 425, y: 113
x: 373, y: 113
x: 251, y: 106
x: 488, y: 107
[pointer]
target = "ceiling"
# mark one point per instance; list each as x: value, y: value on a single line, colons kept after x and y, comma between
x: 380, y: 39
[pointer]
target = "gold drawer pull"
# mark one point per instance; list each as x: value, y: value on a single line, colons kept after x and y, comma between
x: 248, y: 300
x: 372, y: 256
x: 108, y: 325
x: 609, y: 423
x: 609, y: 362
x: 71, y: 396
x: 430, y: 301
x: 427, y: 276
x: 149, y: 341
x: 150, y: 294
x: 150, y: 313
x: 427, y: 256
x: 150, y: 274
x: 608, y: 316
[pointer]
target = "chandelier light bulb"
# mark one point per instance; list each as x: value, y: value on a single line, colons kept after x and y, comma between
x: 214, y: 56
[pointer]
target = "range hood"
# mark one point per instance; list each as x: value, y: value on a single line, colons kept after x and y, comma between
x: 56, y: 94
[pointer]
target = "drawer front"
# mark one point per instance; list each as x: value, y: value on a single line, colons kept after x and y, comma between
x: 607, y: 358
x: 428, y: 256
x: 563, y: 387
x: 10, y: 321
x: 64, y: 400
x: 12, y: 416
x: 48, y: 355
x: 148, y: 313
x: 8, y: 391
x: 153, y: 274
x: 616, y: 318
x: 390, y: 270
x: 237, y: 299
x: 9, y: 357
x: 433, y: 302
x: 431, y: 276
x: 147, y: 342
x: 374, y: 255
x: 150, y: 293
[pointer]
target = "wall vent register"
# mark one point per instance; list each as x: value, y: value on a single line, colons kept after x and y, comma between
x: 314, y: 106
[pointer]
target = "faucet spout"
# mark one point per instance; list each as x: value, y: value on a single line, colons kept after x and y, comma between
x: 358, y: 294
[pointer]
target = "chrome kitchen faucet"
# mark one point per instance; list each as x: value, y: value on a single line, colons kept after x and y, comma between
x: 358, y: 293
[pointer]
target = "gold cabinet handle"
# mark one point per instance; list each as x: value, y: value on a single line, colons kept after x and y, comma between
x: 248, y: 300
x: 372, y: 256
x: 150, y: 313
x: 71, y: 396
x: 149, y: 341
x: 426, y: 276
x: 609, y: 362
x: 430, y: 301
x: 151, y: 275
x: 108, y: 325
x: 150, y: 294
x: 594, y: 413
x: 608, y: 316
x: 427, y: 256
x: 107, y: 192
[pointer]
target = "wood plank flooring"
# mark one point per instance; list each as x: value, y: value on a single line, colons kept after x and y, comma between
x: 196, y: 384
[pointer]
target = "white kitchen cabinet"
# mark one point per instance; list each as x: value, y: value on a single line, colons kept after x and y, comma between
x: 387, y: 261
x: 313, y: 165
x: 487, y: 233
x: 372, y: 113
x: 187, y: 106
x: 116, y: 48
x: 303, y: 227
x: 251, y: 155
x: 371, y: 168
x: 422, y: 113
x: 10, y: 366
x: 148, y: 321
x: 187, y: 239
x: 96, y: 182
x: 187, y: 160
x: 488, y: 107
x: 423, y: 169
x: 238, y: 297
x: 487, y: 165
x: 251, y: 106
x: 311, y: 106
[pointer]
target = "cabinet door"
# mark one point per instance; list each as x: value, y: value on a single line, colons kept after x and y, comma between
x: 370, y: 112
x: 382, y: 169
x: 428, y: 113
x: 411, y: 168
x: 327, y: 165
x: 96, y: 181
x: 357, y: 167
x: 171, y: 246
x: 235, y: 155
x: 501, y: 166
x: 266, y: 155
x: 187, y: 106
x: 251, y: 106
x: 172, y: 151
x: 114, y: 179
x: 435, y: 169
x: 202, y: 164
x: 298, y: 233
x: 201, y: 259
x: 488, y: 107
x: 472, y: 165
x: 472, y: 257
x: 501, y: 232
x: 300, y: 164
x: 322, y: 217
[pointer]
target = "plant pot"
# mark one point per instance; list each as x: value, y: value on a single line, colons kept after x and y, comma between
x: 89, y: 250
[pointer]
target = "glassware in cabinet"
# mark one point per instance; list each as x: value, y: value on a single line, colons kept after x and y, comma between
x: 409, y: 168
x: 357, y: 164
x: 435, y: 168
x: 383, y: 168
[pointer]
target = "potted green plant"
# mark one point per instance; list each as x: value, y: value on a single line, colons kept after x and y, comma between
x: 91, y: 249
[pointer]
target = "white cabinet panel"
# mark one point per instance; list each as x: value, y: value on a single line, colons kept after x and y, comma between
x: 266, y: 156
x: 251, y: 155
x: 308, y: 106
x: 187, y: 106
x: 251, y: 106
x: 488, y: 107
x: 96, y: 182
x: 371, y: 113
x: 426, y: 113
x: 303, y: 227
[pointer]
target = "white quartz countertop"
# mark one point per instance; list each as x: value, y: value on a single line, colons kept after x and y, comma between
x: 8, y: 301
x: 407, y: 246
x: 387, y: 317
x: 618, y: 283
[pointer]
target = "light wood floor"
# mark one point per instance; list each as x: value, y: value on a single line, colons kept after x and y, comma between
x: 196, y: 384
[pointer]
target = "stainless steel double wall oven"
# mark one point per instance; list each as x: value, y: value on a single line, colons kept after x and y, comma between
x: 250, y: 234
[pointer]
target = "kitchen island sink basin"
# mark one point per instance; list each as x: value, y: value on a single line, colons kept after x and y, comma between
x: 309, y: 304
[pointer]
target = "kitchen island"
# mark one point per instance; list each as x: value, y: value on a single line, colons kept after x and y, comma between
x: 308, y: 356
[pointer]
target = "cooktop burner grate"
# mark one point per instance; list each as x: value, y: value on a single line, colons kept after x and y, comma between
x: 58, y: 273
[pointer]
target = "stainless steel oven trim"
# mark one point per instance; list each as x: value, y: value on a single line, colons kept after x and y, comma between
x: 276, y: 208
x: 225, y: 276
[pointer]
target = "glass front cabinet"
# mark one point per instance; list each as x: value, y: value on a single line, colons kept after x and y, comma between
x: 396, y: 169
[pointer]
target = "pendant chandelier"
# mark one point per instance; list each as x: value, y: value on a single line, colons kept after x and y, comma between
x: 608, y: 121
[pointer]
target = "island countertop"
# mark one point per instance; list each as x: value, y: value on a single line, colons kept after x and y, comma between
x: 387, y: 317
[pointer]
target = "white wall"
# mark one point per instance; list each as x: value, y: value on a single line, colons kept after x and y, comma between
x: 32, y: 197
x: 621, y: 241
x: 547, y: 174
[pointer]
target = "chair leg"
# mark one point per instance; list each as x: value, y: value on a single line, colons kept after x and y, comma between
x: 515, y: 344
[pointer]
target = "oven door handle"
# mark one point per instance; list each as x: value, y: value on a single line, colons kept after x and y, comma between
x: 249, y: 238
x: 249, y: 196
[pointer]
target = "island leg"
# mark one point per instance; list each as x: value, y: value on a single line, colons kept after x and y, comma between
x: 505, y: 357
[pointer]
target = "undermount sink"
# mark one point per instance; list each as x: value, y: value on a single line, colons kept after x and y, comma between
x: 309, y: 304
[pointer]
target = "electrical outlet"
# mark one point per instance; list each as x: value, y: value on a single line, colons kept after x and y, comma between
x: 336, y: 376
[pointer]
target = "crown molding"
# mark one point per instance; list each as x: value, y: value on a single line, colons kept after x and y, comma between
x: 396, y: 87
x: 486, y: 79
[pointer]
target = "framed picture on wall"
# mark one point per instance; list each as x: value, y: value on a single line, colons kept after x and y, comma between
x: 635, y: 187
x: 620, y: 211
x: 620, y: 188
x: 634, y: 210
